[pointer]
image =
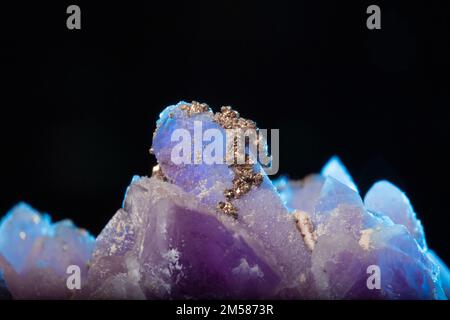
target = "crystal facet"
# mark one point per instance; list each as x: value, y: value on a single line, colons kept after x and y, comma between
x: 203, y: 230
x: 37, y: 253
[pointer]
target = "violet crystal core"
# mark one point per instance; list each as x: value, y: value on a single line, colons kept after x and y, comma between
x: 35, y: 253
x: 224, y: 230
x: 4, y: 292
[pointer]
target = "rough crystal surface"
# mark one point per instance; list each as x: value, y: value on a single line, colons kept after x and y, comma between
x: 262, y: 213
x: 165, y: 244
x: 353, y: 235
x: 334, y: 168
x: 212, y: 231
x: 385, y: 198
x: 36, y: 253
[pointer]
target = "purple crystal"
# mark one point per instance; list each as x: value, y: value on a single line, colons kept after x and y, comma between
x: 165, y: 244
x: 352, y: 235
x: 262, y: 213
x: 334, y: 168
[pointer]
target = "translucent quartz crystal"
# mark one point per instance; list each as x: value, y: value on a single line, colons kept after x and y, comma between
x: 351, y: 239
x: 262, y: 214
x: 171, y: 241
x: 444, y: 274
x: 4, y: 291
x: 336, y: 169
x: 302, y: 195
x: 165, y: 244
x: 37, y: 253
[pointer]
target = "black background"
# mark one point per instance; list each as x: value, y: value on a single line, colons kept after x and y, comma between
x: 78, y: 108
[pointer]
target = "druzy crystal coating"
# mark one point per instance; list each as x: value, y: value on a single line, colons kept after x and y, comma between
x: 214, y: 231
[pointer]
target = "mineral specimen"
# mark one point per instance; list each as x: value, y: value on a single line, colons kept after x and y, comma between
x: 387, y: 199
x: 210, y: 230
x: 4, y: 292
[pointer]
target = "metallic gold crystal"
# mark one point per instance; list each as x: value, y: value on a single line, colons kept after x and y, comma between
x: 244, y: 176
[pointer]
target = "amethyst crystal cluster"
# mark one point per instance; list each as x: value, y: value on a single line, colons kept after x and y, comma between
x: 35, y: 254
x: 213, y: 231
